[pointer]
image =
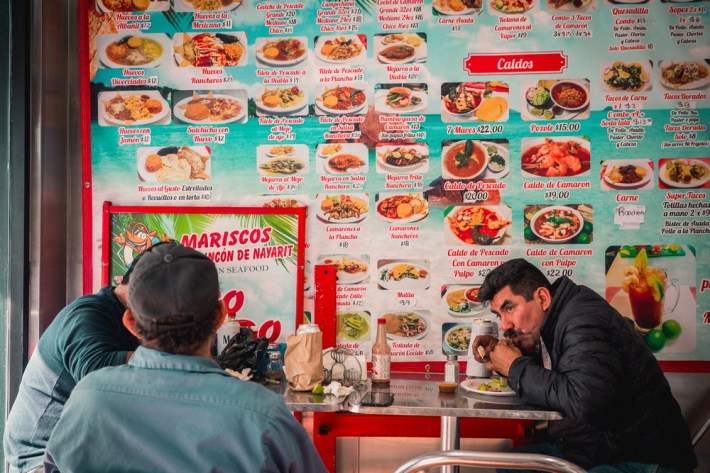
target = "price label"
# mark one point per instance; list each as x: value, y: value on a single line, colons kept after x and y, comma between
x: 406, y: 302
x: 686, y: 104
x: 567, y: 126
x: 484, y: 272
x: 556, y: 273
x: 555, y: 195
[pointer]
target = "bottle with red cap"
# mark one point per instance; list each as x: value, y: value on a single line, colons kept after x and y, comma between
x: 381, y: 354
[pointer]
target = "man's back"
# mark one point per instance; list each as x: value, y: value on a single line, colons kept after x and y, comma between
x: 174, y: 413
x: 85, y: 335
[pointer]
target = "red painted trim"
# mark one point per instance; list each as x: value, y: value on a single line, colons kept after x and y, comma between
x: 685, y: 366
x: 324, y: 302
x: 299, y: 211
x: 106, y: 243
x: 300, y: 262
x: 86, y: 183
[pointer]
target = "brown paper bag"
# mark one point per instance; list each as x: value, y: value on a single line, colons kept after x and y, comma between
x: 304, y: 361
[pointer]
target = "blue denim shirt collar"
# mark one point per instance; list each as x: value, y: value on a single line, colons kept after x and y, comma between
x: 149, y: 358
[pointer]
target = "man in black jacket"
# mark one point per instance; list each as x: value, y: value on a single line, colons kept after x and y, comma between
x: 567, y: 349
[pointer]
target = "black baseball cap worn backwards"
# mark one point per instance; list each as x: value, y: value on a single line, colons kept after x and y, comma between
x: 173, y: 286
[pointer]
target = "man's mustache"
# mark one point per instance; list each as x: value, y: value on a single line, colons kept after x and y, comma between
x: 512, y: 333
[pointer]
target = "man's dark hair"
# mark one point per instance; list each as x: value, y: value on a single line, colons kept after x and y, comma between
x: 523, y: 278
x: 181, y: 340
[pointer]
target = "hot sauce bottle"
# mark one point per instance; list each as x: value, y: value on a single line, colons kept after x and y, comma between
x: 381, y: 355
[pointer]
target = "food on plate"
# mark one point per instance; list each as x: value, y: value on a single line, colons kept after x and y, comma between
x: 134, y: 50
x: 341, y: 48
x: 557, y: 223
x: 210, y: 50
x: 459, y: 338
x: 622, y: 76
x: 538, y: 96
x: 411, y: 39
x: 283, y: 50
x: 286, y: 97
x: 683, y: 73
x: 211, y: 5
x: 477, y: 225
x: 126, y: 5
x: 281, y: 150
x: 685, y: 171
x: 339, y: 207
x: 401, y: 97
x: 494, y: 385
x: 456, y: 5
x: 352, y: 324
x: 402, y: 271
x: 569, y: 95
x: 472, y: 294
x: 457, y: 302
x: 465, y: 159
x: 404, y: 324
x: 177, y: 164
x: 329, y: 149
x: 512, y: 6
x: 401, y: 207
x: 398, y: 52
x: 403, y: 156
x: 282, y: 166
x: 132, y: 108
x: 209, y: 107
x: 342, y: 98
x: 560, y: 3
x: 461, y: 100
x: 626, y: 174
x: 491, y: 109
x: 556, y: 158
x: 496, y: 162
x: 347, y: 265
x: 282, y: 203
x: 345, y: 162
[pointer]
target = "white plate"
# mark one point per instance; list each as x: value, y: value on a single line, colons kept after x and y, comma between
x: 528, y: 143
x: 277, y: 155
x: 321, y: 215
x: 147, y: 176
x: 273, y: 62
x: 465, y: 11
x: 533, y: 4
x: 470, y: 115
x: 179, y: 111
x: 419, y: 336
x: 283, y: 110
x: 357, y: 170
x: 102, y: 42
x: 345, y: 277
x: 333, y: 111
x: 503, y: 152
x: 680, y: 185
x: 184, y: 5
x: 155, y: 5
x: 405, y: 283
x: 474, y: 308
x: 321, y: 42
x: 587, y: 5
x: 690, y: 85
x: 406, y: 60
x: 472, y: 385
x: 382, y: 107
x: 502, y: 211
x: 646, y: 65
x: 364, y: 336
x: 179, y: 41
x: 621, y: 185
x: 153, y: 94
x: 381, y: 151
x: 413, y: 218
x: 264, y: 172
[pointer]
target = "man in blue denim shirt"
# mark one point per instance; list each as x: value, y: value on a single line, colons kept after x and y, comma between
x: 172, y: 408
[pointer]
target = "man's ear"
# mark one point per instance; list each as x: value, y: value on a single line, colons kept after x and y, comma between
x: 544, y: 297
x: 130, y: 323
x: 221, y: 315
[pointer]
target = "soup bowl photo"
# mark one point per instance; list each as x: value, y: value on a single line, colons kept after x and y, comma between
x: 557, y: 223
x: 466, y: 159
x: 570, y: 95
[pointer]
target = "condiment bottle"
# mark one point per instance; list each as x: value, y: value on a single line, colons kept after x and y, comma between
x: 381, y: 355
x: 274, y: 368
x: 451, y: 369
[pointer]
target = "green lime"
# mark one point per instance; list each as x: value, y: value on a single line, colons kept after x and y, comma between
x: 528, y: 233
x: 482, y: 387
x: 547, y: 114
x: 641, y: 260
x: 671, y: 329
x: 655, y: 340
x: 587, y: 227
x: 583, y: 237
x: 536, y: 112
x: 318, y: 389
x: 656, y: 287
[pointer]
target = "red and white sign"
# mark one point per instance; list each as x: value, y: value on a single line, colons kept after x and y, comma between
x: 541, y: 62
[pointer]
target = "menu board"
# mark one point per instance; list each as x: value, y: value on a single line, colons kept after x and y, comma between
x: 430, y: 140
